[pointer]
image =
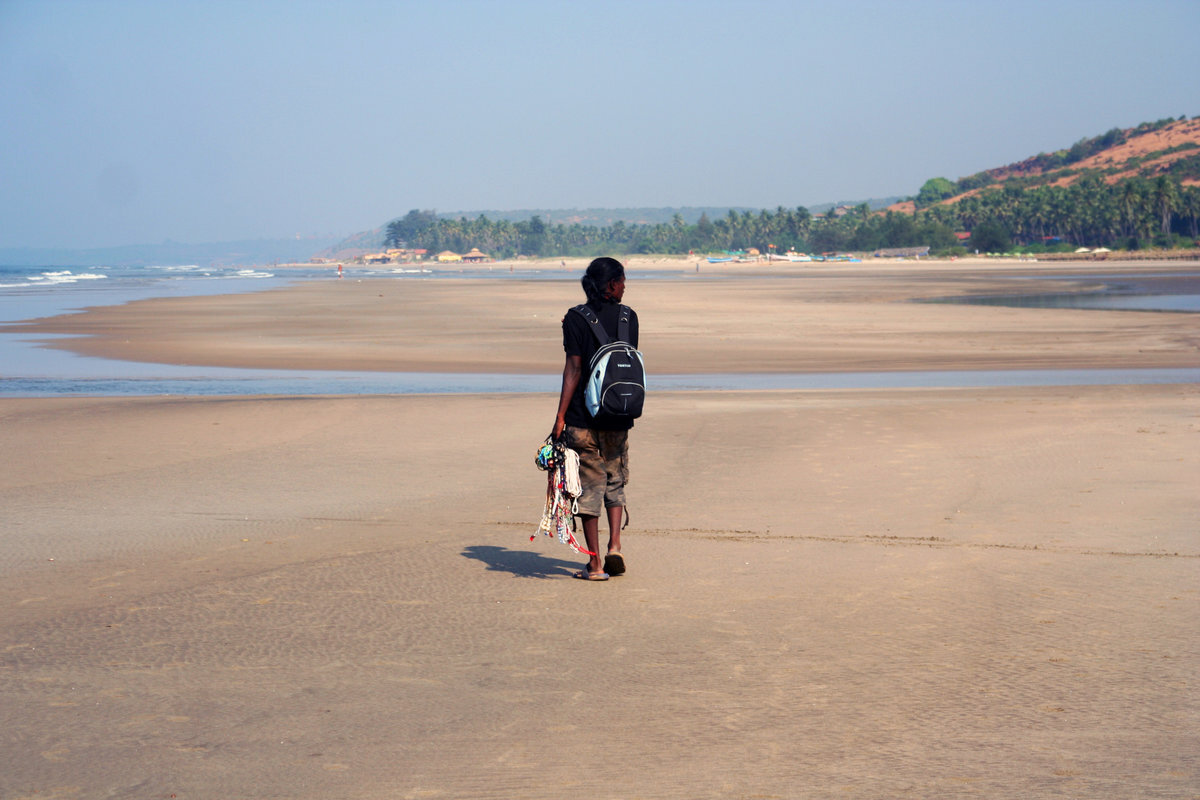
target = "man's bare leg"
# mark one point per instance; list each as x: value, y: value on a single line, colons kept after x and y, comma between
x: 615, y: 516
x: 614, y: 562
x: 591, y: 538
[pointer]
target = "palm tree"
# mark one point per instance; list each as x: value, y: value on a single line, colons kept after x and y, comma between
x: 1128, y: 205
x: 969, y: 212
x: 1059, y: 213
x: 1189, y: 206
x: 803, y: 221
x: 1166, y: 197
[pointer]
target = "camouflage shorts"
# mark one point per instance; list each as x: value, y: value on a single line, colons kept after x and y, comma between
x: 603, y: 467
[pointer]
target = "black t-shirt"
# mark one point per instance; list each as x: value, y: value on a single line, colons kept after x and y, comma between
x: 578, y: 340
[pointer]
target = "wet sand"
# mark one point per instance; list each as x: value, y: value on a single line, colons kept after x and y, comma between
x: 750, y: 318
x: 933, y: 593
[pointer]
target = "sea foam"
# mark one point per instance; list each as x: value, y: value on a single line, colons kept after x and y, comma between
x: 61, y: 276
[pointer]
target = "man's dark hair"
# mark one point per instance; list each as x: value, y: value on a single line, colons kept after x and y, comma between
x: 600, y: 273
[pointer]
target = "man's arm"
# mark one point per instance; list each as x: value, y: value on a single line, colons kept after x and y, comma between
x: 572, y: 372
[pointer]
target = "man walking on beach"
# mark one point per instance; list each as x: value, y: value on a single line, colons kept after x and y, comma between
x: 602, y: 442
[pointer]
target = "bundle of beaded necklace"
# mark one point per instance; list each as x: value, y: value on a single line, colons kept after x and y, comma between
x: 562, y: 490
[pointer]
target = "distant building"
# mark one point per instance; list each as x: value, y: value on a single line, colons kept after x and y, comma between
x: 448, y: 256
x: 902, y: 252
x: 475, y: 256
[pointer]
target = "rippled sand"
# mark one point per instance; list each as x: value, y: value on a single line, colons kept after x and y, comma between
x: 935, y: 593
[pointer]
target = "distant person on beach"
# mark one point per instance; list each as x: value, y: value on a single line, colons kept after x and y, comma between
x: 602, y: 443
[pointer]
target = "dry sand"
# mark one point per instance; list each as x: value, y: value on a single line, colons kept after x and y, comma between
x: 927, y: 593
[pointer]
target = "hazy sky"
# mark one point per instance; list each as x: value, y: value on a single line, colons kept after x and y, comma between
x: 134, y: 122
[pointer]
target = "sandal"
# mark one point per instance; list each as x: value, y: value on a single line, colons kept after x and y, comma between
x: 614, y: 564
x: 584, y: 575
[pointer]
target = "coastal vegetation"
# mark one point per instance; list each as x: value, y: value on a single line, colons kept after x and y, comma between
x: 1126, y: 189
x: 783, y: 229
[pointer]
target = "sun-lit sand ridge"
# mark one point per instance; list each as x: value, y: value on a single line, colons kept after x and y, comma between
x: 945, y: 592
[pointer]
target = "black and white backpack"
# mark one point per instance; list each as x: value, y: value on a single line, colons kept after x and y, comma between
x: 616, y: 383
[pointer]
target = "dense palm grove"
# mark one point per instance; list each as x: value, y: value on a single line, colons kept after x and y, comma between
x: 1134, y: 214
x: 1056, y: 206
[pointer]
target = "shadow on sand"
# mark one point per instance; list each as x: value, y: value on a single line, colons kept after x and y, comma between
x: 521, y: 563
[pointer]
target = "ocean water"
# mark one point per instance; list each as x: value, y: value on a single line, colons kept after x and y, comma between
x: 28, y: 369
x: 30, y: 292
x: 1163, y: 292
x: 26, y: 290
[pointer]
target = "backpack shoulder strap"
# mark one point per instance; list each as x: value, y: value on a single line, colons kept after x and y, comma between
x: 623, y: 316
x: 598, y: 331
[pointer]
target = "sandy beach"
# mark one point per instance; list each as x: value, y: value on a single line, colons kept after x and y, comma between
x: 751, y: 318
x: 852, y: 594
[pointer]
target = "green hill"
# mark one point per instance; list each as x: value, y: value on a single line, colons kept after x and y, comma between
x: 1132, y: 188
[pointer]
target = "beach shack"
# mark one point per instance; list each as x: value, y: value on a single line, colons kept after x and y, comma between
x: 448, y: 256
x: 475, y: 257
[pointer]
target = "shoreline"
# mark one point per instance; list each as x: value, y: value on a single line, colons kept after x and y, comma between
x: 840, y: 318
x: 688, y: 262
